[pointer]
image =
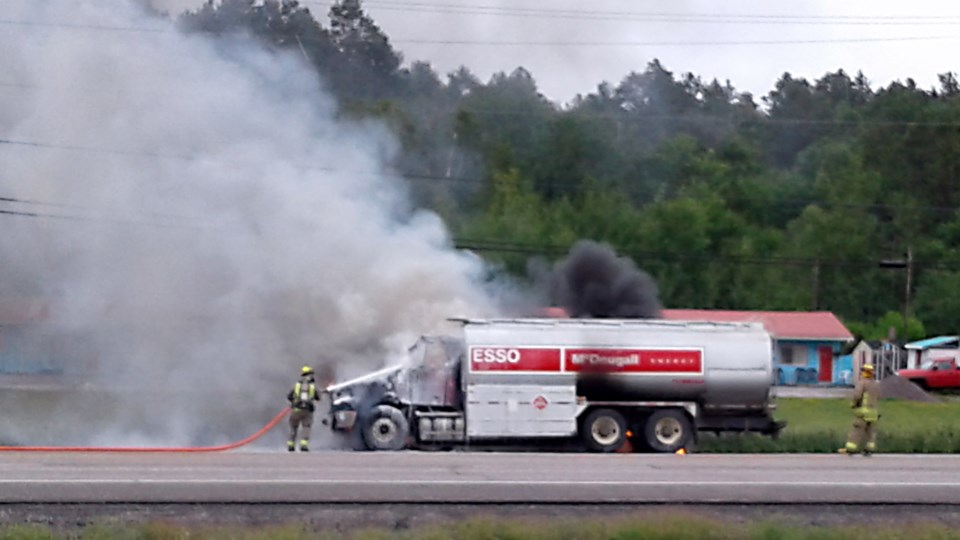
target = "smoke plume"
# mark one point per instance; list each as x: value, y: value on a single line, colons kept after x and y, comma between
x: 199, y: 225
x: 593, y: 281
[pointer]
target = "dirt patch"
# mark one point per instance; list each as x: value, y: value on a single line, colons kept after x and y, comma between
x: 894, y: 387
x: 345, y: 518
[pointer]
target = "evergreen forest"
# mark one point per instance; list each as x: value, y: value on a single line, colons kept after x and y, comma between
x: 829, y: 194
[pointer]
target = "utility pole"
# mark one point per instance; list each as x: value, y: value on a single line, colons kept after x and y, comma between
x: 906, y: 264
x: 906, y: 290
x: 816, y: 284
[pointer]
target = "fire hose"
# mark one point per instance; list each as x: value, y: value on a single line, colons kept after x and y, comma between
x: 220, y: 448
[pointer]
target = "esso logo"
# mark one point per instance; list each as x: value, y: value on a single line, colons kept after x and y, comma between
x: 495, y: 356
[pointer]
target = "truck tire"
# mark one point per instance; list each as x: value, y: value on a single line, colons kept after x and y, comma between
x: 668, y: 430
x: 385, y: 428
x: 604, y: 430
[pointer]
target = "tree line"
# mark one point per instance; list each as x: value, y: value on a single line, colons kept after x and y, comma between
x: 821, y: 195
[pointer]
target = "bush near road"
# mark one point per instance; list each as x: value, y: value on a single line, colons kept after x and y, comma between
x: 821, y: 425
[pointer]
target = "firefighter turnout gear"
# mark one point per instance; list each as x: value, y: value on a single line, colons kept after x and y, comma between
x: 302, y: 398
x: 863, y: 434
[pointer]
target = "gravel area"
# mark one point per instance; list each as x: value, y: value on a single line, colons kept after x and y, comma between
x: 349, y: 517
x: 899, y: 388
x: 891, y: 387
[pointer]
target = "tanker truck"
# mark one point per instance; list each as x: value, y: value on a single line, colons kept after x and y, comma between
x: 590, y: 383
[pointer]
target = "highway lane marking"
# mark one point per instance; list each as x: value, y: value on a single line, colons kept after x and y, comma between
x: 605, y: 483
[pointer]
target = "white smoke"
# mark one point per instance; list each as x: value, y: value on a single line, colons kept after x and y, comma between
x: 230, y: 228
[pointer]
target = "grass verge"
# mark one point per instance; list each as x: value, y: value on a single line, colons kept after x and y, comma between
x: 821, y: 425
x: 676, y: 527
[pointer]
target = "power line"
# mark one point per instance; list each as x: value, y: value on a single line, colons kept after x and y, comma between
x: 654, y: 17
x: 500, y: 246
x: 705, y: 43
x: 639, y: 253
x: 85, y: 26
x: 797, y: 19
x: 782, y: 203
x: 92, y: 149
x: 178, y: 219
x: 422, y: 41
x: 628, y: 116
x: 189, y: 157
x: 178, y: 224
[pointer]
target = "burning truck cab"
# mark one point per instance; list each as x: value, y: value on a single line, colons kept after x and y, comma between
x: 593, y: 382
x: 420, y: 396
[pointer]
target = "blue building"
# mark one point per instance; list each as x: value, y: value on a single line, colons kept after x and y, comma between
x: 25, y: 348
x: 808, y: 345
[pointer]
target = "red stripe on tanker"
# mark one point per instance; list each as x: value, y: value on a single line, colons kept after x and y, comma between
x: 634, y: 360
x: 514, y: 359
x: 596, y: 360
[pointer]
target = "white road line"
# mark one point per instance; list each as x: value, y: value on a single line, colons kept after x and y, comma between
x: 581, y: 483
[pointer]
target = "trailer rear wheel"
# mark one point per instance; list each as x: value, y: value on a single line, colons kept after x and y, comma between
x: 604, y: 430
x: 668, y: 430
x: 385, y: 429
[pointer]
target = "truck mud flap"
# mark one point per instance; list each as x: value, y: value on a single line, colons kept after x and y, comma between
x: 774, y: 429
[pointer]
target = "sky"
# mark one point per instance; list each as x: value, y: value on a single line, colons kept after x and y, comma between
x: 572, y: 46
x: 695, y: 36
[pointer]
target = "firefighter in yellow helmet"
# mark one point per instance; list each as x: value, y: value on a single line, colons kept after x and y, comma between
x: 863, y: 435
x: 301, y: 399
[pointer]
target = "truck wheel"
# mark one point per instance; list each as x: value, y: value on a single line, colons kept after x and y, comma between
x: 668, y: 430
x: 385, y: 429
x: 604, y: 430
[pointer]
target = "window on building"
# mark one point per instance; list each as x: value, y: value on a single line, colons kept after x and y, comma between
x: 793, y: 355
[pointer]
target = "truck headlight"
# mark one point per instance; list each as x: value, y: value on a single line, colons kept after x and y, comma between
x: 344, y: 419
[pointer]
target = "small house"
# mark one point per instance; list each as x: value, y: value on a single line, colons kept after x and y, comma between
x: 18, y: 338
x: 807, y: 346
x: 935, y: 348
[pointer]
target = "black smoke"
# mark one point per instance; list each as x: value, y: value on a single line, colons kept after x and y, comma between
x: 594, y: 282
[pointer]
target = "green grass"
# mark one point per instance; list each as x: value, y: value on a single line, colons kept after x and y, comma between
x: 821, y: 425
x: 676, y: 526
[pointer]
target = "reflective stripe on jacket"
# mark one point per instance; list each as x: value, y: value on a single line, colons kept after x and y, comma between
x: 303, y: 395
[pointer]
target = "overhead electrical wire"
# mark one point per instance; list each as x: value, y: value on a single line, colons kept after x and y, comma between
x: 655, y: 17
x: 521, y: 248
x: 654, y: 43
x: 671, y: 256
x: 782, y: 203
x: 76, y: 213
x: 518, y: 43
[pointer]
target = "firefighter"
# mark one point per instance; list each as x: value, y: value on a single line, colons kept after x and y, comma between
x: 301, y: 399
x: 863, y: 435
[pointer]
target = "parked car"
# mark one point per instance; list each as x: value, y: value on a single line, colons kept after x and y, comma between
x: 934, y: 374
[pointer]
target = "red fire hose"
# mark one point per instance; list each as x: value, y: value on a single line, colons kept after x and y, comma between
x: 276, y: 420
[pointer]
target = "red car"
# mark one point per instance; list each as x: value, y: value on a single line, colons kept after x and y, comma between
x: 934, y: 374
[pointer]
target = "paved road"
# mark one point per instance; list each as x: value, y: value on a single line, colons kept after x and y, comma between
x: 823, y: 392
x: 461, y: 477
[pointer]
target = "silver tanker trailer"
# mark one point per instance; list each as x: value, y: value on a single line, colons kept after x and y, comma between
x: 596, y: 382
